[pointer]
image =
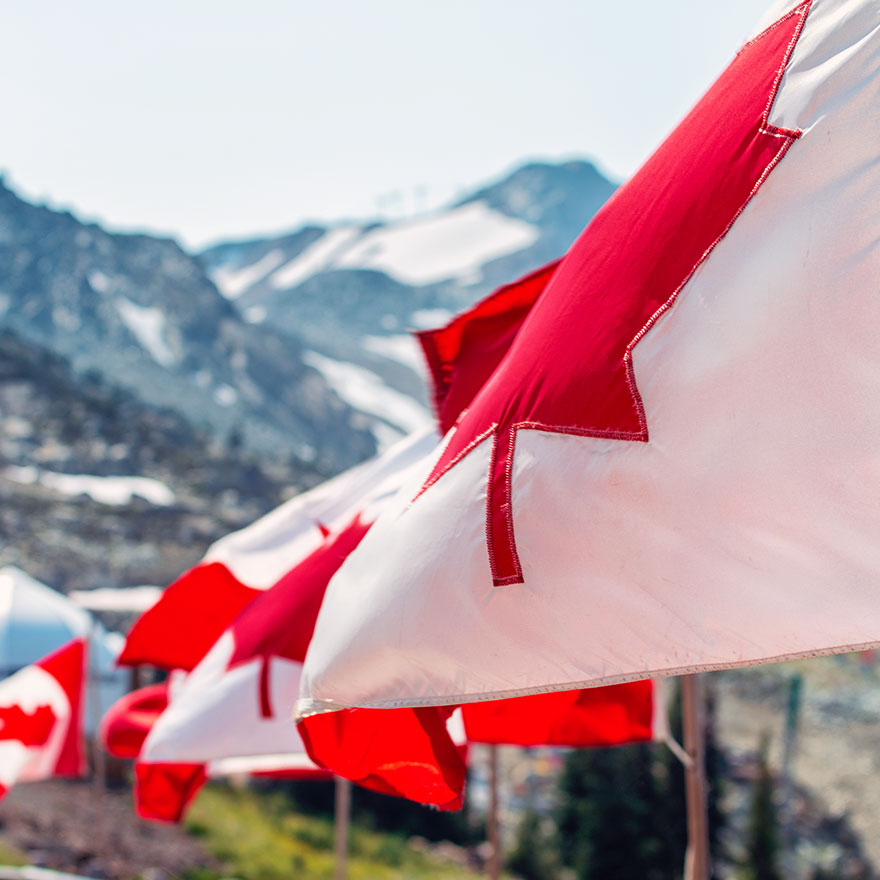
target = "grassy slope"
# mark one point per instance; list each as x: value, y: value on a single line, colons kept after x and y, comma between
x: 257, y: 837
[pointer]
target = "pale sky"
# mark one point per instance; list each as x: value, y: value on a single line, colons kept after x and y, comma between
x: 215, y: 118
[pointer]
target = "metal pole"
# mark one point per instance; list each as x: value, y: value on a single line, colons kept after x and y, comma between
x: 492, y: 817
x: 343, y: 815
x: 696, y: 866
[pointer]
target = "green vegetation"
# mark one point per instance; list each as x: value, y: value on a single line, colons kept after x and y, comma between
x: 762, y: 845
x: 258, y: 837
x: 10, y: 855
x: 621, y: 811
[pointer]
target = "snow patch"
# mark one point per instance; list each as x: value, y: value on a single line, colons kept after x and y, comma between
x: 402, y: 348
x: 121, y: 599
x: 232, y: 283
x: 255, y: 314
x: 316, y: 257
x: 147, y: 324
x: 454, y: 244
x: 105, y: 490
x: 364, y: 391
x: 225, y: 395
x: 98, y: 281
x: 429, y: 319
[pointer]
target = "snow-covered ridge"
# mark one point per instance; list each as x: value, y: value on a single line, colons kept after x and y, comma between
x: 316, y: 258
x: 234, y: 282
x: 402, y: 348
x: 452, y: 244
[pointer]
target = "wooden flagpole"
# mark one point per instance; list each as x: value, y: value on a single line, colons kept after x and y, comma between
x: 492, y: 817
x: 694, y: 729
x: 342, y: 816
x: 94, y: 711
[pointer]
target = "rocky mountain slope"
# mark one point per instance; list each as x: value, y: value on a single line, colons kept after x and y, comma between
x: 141, y: 313
x: 143, y: 414
x: 97, y: 489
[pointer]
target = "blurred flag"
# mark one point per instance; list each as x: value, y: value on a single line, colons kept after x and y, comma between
x: 232, y: 713
x: 587, y: 718
x: 164, y: 791
x: 673, y: 468
x: 41, y: 718
x: 247, y: 684
x: 193, y: 612
x: 127, y: 722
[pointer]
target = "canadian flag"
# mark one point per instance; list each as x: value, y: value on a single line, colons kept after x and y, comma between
x: 461, y: 356
x: 232, y: 712
x: 163, y: 791
x: 674, y: 467
x: 196, y: 609
x: 41, y: 718
x: 586, y: 718
x: 214, y: 727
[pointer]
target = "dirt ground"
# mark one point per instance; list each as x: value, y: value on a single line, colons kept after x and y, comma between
x: 69, y: 826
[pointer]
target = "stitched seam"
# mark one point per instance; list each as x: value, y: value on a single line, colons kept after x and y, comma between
x: 796, y: 11
x: 462, y: 453
x: 516, y: 577
x: 669, y: 672
x: 803, y: 11
x: 789, y: 136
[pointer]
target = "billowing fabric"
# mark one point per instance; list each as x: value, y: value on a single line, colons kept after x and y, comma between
x: 697, y: 488
x: 232, y: 713
x: 41, y: 725
x: 403, y: 752
x: 462, y: 355
x: 586, y: 718
x: 163, y: 791
x: 193, y: 612
x: 127, y: 722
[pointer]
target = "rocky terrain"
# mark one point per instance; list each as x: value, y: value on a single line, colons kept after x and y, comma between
x: 143, y: 315
x: 143, y: 414
x: 98, y: 489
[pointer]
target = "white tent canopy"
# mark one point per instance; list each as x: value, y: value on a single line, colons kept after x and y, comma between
x: 36, y: 620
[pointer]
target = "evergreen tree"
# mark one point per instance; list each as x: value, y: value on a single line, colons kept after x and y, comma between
x: 762, y: 844
x: 622, y: 811
x: 533, y: 856
x: 612, y: 816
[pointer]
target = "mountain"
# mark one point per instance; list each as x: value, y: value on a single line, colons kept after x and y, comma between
x: 144, y: 414
x: 97, y: 489
x: 142, y: 314
x: 348, y: 293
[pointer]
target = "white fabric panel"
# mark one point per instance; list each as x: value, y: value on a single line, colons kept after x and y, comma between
x: 260, y: 554
x: 745, y: 531
x: 215, y: 713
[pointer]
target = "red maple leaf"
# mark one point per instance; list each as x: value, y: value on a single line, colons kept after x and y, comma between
x: 29, y: 728
x: 280, y: 621
x: 569, y: 370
